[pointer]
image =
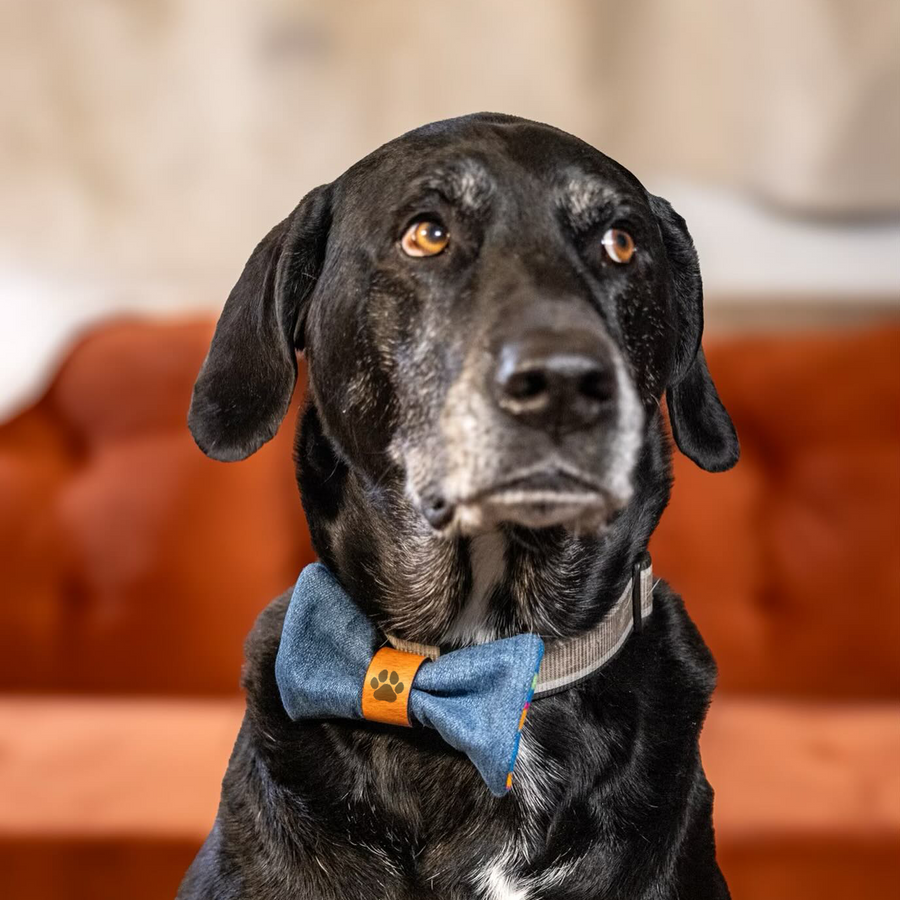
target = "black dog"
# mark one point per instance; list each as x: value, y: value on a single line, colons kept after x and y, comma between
x: 491, y: 311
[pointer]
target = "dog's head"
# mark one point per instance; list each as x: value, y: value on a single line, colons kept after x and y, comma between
x: 491, y: 311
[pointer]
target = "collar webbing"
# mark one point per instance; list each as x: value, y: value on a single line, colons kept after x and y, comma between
x: 568, y: 661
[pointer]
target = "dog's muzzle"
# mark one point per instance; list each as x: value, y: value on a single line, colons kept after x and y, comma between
x: 541, y: 428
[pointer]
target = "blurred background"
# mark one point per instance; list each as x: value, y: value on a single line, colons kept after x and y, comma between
x: 145, y: 147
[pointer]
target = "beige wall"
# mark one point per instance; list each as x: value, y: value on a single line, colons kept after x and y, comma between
x: 159, y: 139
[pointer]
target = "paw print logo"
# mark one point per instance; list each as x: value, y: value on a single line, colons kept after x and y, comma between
x: 387, y: 687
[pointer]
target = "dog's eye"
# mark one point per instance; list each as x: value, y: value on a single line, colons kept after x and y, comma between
x: 425, y: 238
x: 619, y: 245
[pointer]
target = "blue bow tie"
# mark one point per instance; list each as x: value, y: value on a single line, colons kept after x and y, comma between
x: 475, y: 698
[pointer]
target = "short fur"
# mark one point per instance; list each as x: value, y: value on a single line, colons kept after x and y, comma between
x: 436, y: 510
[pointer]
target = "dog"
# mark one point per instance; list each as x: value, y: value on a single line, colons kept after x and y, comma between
x: 491, y: 312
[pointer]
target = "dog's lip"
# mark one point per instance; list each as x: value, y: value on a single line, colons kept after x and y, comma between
x: 554, y: 484
x: 540, y: 496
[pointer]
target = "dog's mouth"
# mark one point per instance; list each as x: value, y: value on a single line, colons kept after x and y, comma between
x: 539, y: 498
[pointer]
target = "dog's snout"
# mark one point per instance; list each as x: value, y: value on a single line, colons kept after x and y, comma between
x: 558, y: 381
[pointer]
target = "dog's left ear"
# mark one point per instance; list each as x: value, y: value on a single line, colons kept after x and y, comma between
x: 245, y: 384
x: 701, y: 426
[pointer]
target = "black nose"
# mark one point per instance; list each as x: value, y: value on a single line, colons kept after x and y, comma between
x: 558, y: 381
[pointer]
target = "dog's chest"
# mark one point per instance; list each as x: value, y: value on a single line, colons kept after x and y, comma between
x: 506, y: 852
x: 498, y: 884
x: 501, y: 879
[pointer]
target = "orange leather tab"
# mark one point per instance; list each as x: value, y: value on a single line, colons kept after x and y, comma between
x: 385, y: 696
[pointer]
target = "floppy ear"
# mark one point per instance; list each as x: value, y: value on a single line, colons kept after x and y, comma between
x: 701, y: 426
x: 245, y: 384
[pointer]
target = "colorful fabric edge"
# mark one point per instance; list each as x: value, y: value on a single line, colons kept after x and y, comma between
x: 525, y: 707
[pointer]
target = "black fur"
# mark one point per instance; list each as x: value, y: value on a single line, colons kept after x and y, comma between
x: 244, y: 388
x: 610, y: 799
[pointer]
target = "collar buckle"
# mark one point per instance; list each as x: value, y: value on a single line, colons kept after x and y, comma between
x: 641, y: 564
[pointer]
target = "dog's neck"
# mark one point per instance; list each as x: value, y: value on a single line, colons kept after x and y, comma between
x: 451, y: 591
x: 488, y: 564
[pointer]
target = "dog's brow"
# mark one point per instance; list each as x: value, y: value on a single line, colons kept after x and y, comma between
x: 583, y: 197
x: 465, y: 183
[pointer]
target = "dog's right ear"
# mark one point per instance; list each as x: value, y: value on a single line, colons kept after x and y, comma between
x: 245, y: 385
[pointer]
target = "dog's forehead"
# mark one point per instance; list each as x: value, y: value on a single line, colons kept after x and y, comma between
x: 470, y: 157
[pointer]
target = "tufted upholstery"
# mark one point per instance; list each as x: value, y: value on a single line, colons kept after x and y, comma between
x: 132, y: 562
x: 789, y: 563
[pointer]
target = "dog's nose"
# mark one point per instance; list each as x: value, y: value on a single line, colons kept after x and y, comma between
x: 558, y: 381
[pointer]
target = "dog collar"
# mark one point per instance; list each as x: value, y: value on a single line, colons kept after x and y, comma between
x: 333, y: 663
x: 568, y: 661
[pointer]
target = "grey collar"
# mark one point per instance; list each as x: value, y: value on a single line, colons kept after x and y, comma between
x: 567, y: 661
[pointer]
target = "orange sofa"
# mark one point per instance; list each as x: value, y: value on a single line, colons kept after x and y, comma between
x: 132, y: 567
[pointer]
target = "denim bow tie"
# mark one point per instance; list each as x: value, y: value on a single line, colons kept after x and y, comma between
x: 475, y: 698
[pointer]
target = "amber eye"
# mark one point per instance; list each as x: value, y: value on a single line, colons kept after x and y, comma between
x: 619, y: 245
x: 425, y: 238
